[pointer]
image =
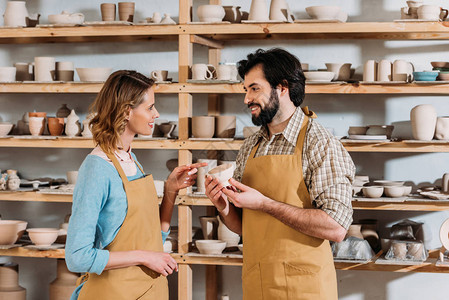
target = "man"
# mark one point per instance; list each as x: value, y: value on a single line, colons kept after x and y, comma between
x: 291, y: 191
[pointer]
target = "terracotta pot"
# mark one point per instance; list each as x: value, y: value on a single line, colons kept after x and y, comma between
x: 231, y: 238
x: 65, y: 283
x: 355, y: 231
x: 225, y: 126
x: 203, y: 126
x: 9, y: 283
x: 424, y: 119
x: 55, y: 126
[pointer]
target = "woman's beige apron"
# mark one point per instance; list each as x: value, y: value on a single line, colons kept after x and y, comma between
x: 280, y: 262
x: 141, y: 230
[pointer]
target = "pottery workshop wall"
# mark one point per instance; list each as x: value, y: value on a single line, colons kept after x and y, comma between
x: 336, y: 112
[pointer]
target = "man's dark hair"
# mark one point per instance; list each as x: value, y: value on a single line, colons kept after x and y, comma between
x: 279, y: 67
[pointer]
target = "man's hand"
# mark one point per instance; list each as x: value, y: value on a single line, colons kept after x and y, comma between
x: 214, y: 193
x: 247, y: 198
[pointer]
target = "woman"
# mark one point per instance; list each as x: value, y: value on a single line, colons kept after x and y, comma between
x: 116, y: 230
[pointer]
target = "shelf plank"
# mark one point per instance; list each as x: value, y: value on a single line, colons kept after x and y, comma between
x: 23, y: 252
x: 33, y: 196
x: 399, y: 146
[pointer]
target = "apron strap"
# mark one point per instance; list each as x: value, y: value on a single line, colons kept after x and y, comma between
x: 118, y: 167
x: 140, y: 168
x: 308, y: 112
x: 302, y: 135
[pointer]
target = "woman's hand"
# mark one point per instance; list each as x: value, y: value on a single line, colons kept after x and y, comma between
x: 160, y: 262
x: 182, y: 177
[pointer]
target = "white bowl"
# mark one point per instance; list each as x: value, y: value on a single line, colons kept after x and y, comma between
x: 210, y: 13
x: 43, y: 236
x: 394, y: 191
x: 5, y: 128
x: 11, y: 231
x: 210, y: 246
x: 223, y: 173
x: 407, y: 190
x: 373, y: 191
x: 93, y: 74
x: 319, y: 76
x: 323, y: 12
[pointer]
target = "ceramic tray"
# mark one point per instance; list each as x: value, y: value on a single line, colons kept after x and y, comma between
x: 200, y: 23
x: 208, y: 81
x: 11, y: 27
x: 64, y: 137
x: 44, y: 248
x: 151, y: 138
x: 317, y: 21
x: 107, y: 23
x: 198, y: 195
x: 46, y: 82
x: 353, y: 261
x: 6, y: 136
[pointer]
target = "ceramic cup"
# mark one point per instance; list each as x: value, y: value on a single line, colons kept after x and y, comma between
x: 370, y: 70
x: 223, y: 173
x: 37, y: 125
x: 72, y: 176
x: 159, y: 75
x: 402, y: 70
x: 211, y: 163
x: 224, y: 72
x: 203, y: 126
x: 24, y: 71
x: 44, y: 68
x: 341, y: 71
x: 384, y: 70
x: 225, y: 126
x: 201, y: 72
x: 126, y: 11
x: 108, y: 11
x: 64, y: 71
x: 7, y: 74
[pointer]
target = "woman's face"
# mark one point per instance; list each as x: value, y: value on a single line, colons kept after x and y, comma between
x: 141, y: 118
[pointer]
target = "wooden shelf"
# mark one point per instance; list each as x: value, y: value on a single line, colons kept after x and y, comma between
x: 350, y: 30
x: 85, y: 34
x: 33, y: 196
x: 23, y: 252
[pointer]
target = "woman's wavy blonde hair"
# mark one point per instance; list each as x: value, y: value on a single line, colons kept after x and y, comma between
x: 122, y: 91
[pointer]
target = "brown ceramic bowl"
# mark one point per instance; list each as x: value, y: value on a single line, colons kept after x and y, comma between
x: 440, y: 64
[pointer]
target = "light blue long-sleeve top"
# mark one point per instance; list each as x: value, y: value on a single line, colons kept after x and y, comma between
x: 98, y: 211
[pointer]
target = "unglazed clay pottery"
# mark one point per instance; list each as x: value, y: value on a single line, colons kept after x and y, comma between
x: 167, y: 129
x: 108, y: 11
x: 63, y: 111
x: 157, y: 18
x: 11, y: 231
x: 167, y: 20
x: 37, y: 125
x: 64, y: 70
x: 126, y: 11
x: 43, y: 236
x: 9, y: 283
x: 407, y: 190
x: 432, y: 12
x: 442, y: 128
x: 357, y: 130
x: 72, y: 176
x: 258, y: 11
x: 24, y: 71
x: 223, y: 173
x: 93, y: 74
x: 231, y: 238
x: 5, y: 128
x: 232, y: 14
x: 323, y: 12
x: 225, y: 126
x: 373, y: 191
x: 203, y: 126
x: 341, y: 71
x: 224, y: 72
x: 201, y: 72
x: 7, y: 74
x: 44, y: 68
x: 210, y: 246
x: 355, y: 231
x: 55, y: 126
x: 424, y: 119
x: 394, y: 191
x: 402, y: 70
x: 72, y: 127
x: 319, y: 76
x: 210, y: 13
x: 211, y: 163
x: 380, y: 130
x: 15, y: 14
x: 279, y: 11
x: 384, y: 70
x: 66, y: 18
x: 65, y: 283
x: 370, y: 70
x: 209, y: 226
x: 159, y: 75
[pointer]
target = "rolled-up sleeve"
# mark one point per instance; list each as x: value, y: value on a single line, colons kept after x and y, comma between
x: 91, y: 191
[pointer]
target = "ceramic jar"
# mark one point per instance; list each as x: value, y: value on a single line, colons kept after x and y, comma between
x: 211, y: 163
x: 341, y: 71
x: 210, y: 13
x: 13, y: 181
x: 203, y: 126
x: 44, y: 68
x: 231, y: 238
x: 258, y: 11
x: 9, y: 283
x: 431, y: 12
x: 232, y: 14
x: 442, y: 128
x: 65, y: 283
x: 63, y: 111
x: 55, y: 126
x: 16, y: 14
x: 279, y: 11
x: 72, y: 127
x: 370, y: 70
x: 225, y: 126
x: 423, y: 118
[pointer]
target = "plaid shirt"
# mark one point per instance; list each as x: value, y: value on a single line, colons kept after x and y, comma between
x: 327, y: 167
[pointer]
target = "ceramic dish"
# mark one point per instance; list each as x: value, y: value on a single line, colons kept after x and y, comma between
x: 440, y: 64
x: 210, y: 246
x: 319, y: 76
x: 425, y: 76
x: 5, y: 128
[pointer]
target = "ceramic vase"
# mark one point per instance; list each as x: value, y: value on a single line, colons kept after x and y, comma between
x: 157, y: 18
x: 86, y: 129
x: 442, y: 128
x: 9, y: 283
x: 72, y: 127
x: 355, y: 231
x: 13, y: 182
x: 63, y: 111
x: 225, y: 126
x: 211, y: 163
x: 279, y: 11
x: 231, y: 238
x: 258, y: 11
x: 424, y: 119
x: 232, y: 14
x: 37, y: 125
x: 16, y: 14
x: 55, y: 126
x: 64, y: 284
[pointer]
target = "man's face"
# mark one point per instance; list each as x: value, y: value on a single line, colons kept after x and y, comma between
x: 261, y: 98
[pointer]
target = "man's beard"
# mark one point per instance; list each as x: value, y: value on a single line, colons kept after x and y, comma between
x: 267, y: 114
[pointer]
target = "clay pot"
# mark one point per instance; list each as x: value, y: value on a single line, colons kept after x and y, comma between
x: 63, y: 111
x: 399, y: 250
x: 209, y: 226
x: 442, y: 128
x: 225, y: 126
x: 9, y: 283
x: 424, y: 119
x: 107, y: 11
x: 402, y: 70
x: 65, y: 283
x: 167, y: 129
x: 232, y: 14
x: 445, y: 184
x: 210, y: 13
x: 203, y: 126
x: 355, y: 231
x: 231, y: 238
x: 210, y: 246
x: 43, y: 236
x: 258, y: 11
x: 66, y: 18
x: 55, y: 126
x: 126, y: 11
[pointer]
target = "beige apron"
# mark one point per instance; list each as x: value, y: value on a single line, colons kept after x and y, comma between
x: 141, y: 230
x: 280, y: 262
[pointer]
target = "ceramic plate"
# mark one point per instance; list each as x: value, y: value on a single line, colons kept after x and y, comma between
x: 208, y: 81
x: 317, y: 21
x: 107, y: 23
x: 43, y: 248
x: 199, y: 23
x: 366, y: 137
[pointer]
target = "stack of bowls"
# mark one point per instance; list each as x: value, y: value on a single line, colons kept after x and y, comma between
x: 443, y: 68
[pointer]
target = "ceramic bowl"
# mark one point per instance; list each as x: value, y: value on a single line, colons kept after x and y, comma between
x: 93, y: 74
x: 7, y: 74
x: 319, y: 76
x: 380, y: 130
x: 394, y: 191
x: 443, y: 75
x: 357, y: 130
x: 425, y: 76
x: 43, y: 236
x: 210, y: 246
x: 323, y: 12
x: 11, y: 231
x: 223, y: 173
x: 210, y: 13
x: 440, y: 64
x: 407, y: 190
x: 388, y: 183
x: 5, y: 128
x: 373, y: 191
x: 250, y: 130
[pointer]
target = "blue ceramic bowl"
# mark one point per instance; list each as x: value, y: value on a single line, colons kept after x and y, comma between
x: 425, y: 76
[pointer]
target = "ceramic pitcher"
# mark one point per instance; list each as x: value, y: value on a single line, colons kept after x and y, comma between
x: 258, y: 11
x: 15, y: 13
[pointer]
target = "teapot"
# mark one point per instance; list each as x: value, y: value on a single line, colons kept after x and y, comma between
x: 66, y: 18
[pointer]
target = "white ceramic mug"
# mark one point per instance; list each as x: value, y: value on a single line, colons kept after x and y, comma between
x: 370, y: 70
x: 402, y: 70
x: 224, y: 72
x: 432, y: 12
x: 159, y: 75
x: 44, y: 68
x: 384, y: 70
x: 201, y: 72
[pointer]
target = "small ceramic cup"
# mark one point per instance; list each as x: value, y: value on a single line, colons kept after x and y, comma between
x: 223, y: 173
x: 126, y: 11
x: 201, y: 72
x: 64, y: 71
x: 159, y: 75
x: 108, y: 11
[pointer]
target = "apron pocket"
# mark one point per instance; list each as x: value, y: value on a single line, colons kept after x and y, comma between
x: 302, y: 283
x: 252, y: 284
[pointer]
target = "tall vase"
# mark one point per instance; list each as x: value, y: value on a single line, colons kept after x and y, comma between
x: 231, y: 238
x: 424, y: 119
x: 9, y: 283
x: 65, y: 283
x: 258, y: 11
x: 72, y: 127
